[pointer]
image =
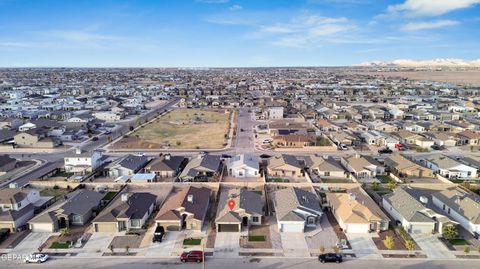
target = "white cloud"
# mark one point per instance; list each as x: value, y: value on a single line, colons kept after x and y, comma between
x: 416, y: 26
x: 236, y: 7
x: 431, y: 7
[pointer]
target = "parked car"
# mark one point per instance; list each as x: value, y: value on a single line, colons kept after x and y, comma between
x: 241, y: 130
x: 94, y: 138
x: 343, y: 147
x: 36, y: 258
x: 437, y: 147
x: 385, y: 151
x: 192, y: 256
x: 158, y: 234
x: 330, y: 257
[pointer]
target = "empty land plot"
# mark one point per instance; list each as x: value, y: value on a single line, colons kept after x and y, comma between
x: 182, y: 129
x: 470, y: 77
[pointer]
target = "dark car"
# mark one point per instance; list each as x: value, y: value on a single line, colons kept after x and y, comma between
x: 192, y: 256
x: 241, y: 130
x: 94, y: 138
x: 437, y: 147
x: 158, y: 234
x: 330, y: 257
x: 385, y: 151
x: 4, y: 232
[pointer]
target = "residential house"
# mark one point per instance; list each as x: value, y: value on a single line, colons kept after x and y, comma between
x: 17, y: 207
x: 325, y: 166
x: 460, y: 205
x: 296, y: 209
x: 448, y: 167
x: 127, y: 166
x: 412, y: 214
x: 285, y: 166
x: 186, y: 208
x: 76, y: 209
x: 244, y: 166
x: 404, y: 167
x: 247, y: 209
x: 362, y: 167
x: 356, y: 212
x: 201, y: 168
x: 166, y: 166
x: 126, y: 212
x: 83, y: 162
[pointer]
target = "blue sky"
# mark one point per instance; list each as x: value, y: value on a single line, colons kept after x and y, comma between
x: 226, y: 33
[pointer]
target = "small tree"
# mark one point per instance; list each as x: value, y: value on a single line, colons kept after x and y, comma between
x: 65, y: 232
x: 112, y: 248
x: 466, y: 250
x: 392, y: 185
x: 322, y: 249
x: 478, y: 249
x: 375, y: 186
x: 409, y: 245
x: 127, y: 248
x: 179, y: 143
x: 336, y: 249
x: 388, y: 242
x: 449, y: 232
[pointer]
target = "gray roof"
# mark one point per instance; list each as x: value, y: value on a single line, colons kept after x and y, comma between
x: 207, y: 163
x: 462, y: 202
x: 245, y: 199
x: 407, y: 206
x: 290, y: 199
x: 170, y: 163
x: 135, y: 207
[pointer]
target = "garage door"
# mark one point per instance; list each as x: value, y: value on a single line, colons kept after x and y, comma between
x: 228, y: 228
x: 105, y: 227
x: 421, y: 229
x: 6, y: 225
x: 357, y: 228
x: 41, y: 227
x: 291, y: 227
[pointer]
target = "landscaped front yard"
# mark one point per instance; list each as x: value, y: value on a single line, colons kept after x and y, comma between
x: 182, y: 129
x: 192, y: 242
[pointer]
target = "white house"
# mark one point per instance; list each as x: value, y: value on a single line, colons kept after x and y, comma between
x: 82, y: 162
x: 244, y: 166
x: 412, y: 214
x: 461, y: 206
x: 17, y: 207
x: 449, y: 167
x: 275, y: 113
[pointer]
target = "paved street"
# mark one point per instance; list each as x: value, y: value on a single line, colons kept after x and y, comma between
x: 241, y: 263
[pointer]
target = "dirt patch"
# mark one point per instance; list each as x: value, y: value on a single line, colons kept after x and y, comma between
x: 458, y: 77
x: 399, y: 242
x: 255, y: 232
x: 124, y: 241
x: 181, y: 129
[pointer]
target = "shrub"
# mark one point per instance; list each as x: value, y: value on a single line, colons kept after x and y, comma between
x: 388, y: 242
x: 449, y: 232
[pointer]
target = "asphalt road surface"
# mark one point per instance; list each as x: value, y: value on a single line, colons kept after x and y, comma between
x: 242, y: 263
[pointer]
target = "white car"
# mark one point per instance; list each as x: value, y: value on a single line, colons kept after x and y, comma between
x: 36, y: 258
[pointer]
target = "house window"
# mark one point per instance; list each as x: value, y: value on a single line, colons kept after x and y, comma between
x: 76, y: 219
x: 327, y: 174
x: 448, y: 211
x: 135, y: 223
x: 311, y: 220
x: 254, y: 219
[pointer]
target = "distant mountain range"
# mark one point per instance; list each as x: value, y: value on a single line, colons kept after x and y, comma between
x: 423, y: 63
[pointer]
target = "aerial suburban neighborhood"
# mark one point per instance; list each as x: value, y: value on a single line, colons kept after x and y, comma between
x: 291, y: 162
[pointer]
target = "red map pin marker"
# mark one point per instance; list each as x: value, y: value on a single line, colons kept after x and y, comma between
x: 231, y: 204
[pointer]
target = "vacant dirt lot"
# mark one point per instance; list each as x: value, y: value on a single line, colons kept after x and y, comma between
x: 181, y: 129
x: 471, y: 77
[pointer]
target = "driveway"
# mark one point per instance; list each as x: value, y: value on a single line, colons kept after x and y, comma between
x: 31, y: 243
x: 432, y: 247
x: 323, y: 235
x: 227, y: 244
x: 165, y: 248
x: 294, y: 245
x: 98, y: 241
x: 363, y: 246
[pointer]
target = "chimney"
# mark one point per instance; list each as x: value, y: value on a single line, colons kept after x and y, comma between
x: 167, y: 157
x: 78, y: 151
x: 125, y: 197
x: 190, y: 198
